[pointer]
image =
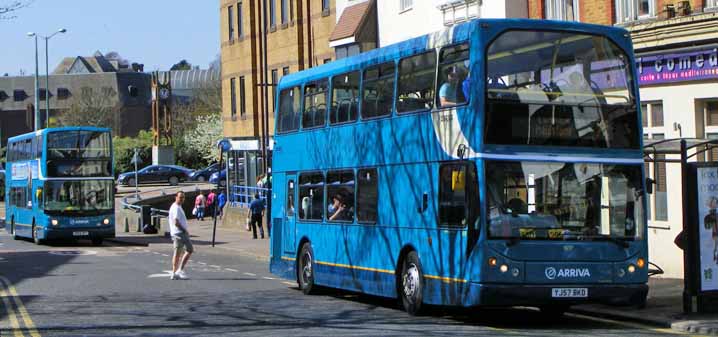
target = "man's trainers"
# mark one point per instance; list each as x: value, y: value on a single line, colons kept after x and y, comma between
x: 181, y: 275
x: 174, y: 276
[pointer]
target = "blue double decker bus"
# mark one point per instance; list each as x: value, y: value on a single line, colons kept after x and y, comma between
x: 60, y: 185
x: 495, y: 163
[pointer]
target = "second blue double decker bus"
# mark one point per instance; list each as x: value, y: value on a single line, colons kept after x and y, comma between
x: 497, y: 162
x: 60, y: 185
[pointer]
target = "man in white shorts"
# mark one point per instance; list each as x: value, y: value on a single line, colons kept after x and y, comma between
x: 180, y: 238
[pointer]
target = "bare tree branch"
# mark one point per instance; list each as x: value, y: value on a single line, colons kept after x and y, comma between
x: 12, y: 6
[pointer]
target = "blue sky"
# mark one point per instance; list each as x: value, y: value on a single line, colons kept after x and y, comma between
x: 157, y: 33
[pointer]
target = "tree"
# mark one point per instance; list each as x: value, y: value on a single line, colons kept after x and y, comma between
x: 93, y: 108
x: 182, y: 65
x: 124, y: 149
x: 202, y: 140
x: 7, y: 7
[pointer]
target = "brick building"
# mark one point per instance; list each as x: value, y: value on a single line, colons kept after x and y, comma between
x: 676, y: 48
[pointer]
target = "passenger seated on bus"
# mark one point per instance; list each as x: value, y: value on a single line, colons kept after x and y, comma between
x: 339, y: 209
x: 451, y: 92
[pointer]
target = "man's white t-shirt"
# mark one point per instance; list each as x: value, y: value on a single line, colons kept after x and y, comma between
x: 176, y: 213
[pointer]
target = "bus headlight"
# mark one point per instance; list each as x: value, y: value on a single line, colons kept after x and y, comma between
x: 54, y: 222
x: 631, y: 268
x: 504, y: 268
x: 106, y: 221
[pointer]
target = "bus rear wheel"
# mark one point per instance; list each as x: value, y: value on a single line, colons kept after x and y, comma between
x: 411, y: 284
x: 305, y: 271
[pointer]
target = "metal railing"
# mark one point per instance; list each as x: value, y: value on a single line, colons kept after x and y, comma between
x: 243, y: 195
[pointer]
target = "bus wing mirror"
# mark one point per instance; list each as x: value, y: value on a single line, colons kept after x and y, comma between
x: 649, y: 185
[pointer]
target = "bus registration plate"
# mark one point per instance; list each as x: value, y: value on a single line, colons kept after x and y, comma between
x: 80, y: 233
x: 569, y: 292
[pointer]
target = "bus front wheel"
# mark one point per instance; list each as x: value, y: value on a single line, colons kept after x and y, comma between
x: 411, y: 284
x: 35, y: 235
x: 13, y: 230
x: 305, y: 273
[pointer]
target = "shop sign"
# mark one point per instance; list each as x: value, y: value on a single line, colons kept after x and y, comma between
x: 708, y: 227
x: 678, y: 67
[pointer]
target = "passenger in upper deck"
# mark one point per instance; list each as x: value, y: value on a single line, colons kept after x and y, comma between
x: 451, y: 93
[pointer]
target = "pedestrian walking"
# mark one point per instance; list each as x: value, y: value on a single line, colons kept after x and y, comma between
x: 200, y: 202
x: 221, y: 202
x: 180, y: 238
x: 254, y: 214
x: 211, y: 203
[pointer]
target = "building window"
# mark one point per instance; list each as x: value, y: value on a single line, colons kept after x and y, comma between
x: 233, y: 97
x: 712, y: 4
x: 653, y: 126
x: 660, y: 202
x: 43, y: 94
x: 405, y: 5
x: 242, y: 99
x: 327, y: 61
x: 240, y: 20
x: 347, y: 50
x: 272, y: 17
x: 632, y: 10
x: 712, y: 113
x: 325, y: 6
x: 566, y: 10
x: 19, y: 95
x: 285, y: 11
x: 285, y: 71
x: 230, y: 18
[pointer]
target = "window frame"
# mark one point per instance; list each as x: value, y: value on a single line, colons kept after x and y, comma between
x: 327, y: 198
x: 395, y: 74
x: 304, y: 101
x: 439, y: 64
x: 472, y: 208
x: 331, y: 98
x: 559, y: 6
x: 324, y: 196
x: 230, y: 22
x: 398, y: 79
x: 356, y: 196
x: 300, y: 110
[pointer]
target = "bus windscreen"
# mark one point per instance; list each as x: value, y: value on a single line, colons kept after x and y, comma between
x: 558, y: 88
x: 80, y: 196
x: 564, y: 201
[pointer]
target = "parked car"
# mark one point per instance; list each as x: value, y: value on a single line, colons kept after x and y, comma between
x: 205, y: 173
x: 171, y: 174
x: 220, y: 176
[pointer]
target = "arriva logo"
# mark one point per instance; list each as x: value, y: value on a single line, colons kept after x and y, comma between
x: 551, y: 272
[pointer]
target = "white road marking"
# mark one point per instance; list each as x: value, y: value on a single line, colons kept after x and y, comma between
x: 156, y: 253
x: 230, y: 269
x: 214, y: 266
x: 268, y: 278
x: 73, y: 252
x: 165, y: 273
x: 165, y: 255
x: 250, y: 274
x: 202, y: 263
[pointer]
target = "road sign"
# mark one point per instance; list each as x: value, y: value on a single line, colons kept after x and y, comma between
x: 135, y: 158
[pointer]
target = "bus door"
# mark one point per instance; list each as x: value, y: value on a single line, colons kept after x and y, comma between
x: 458, y: 212
x: 290, y: 206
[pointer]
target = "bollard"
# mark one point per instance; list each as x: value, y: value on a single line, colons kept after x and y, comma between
x: 127, y: 225
x: 139, y: 224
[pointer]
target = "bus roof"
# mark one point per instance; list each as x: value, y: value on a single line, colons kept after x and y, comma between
x: 64, y: 128
x: 447, y: 36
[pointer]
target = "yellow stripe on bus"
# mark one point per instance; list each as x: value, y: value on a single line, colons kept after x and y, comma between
x: 29, y: 324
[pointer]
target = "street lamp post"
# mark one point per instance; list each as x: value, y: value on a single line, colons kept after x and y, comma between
x: 37, y: 85
x: 47, y: 79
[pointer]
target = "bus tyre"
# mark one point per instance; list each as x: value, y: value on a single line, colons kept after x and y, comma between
x: 35, y: 236
x: 411, y: 284
x: 13, y: 230
x: 174, y: 181
x: 97, y: 241
x: 305, y: 272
